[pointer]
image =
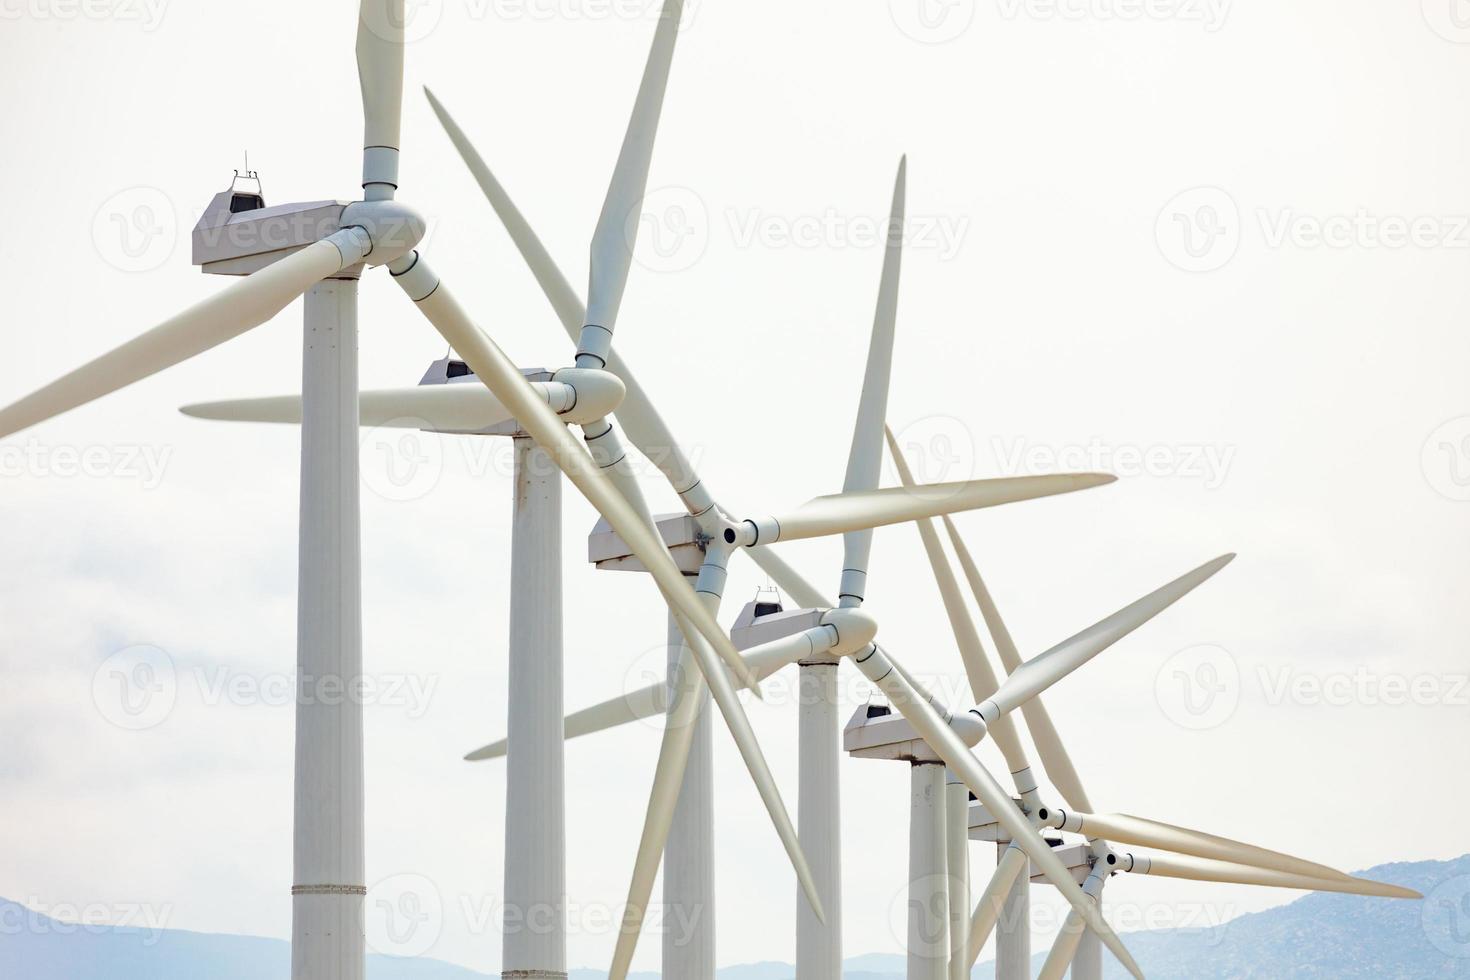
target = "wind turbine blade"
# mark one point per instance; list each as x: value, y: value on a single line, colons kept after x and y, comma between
x: 612, y: 242
x: 616, y: 712
x: 642, y: 424
x: 755, y: 761
x: 228, y: 313
x: 865, y: 457
x: 380, y: 27
x: 981, y: 674
x: 564, y: 299
x: 842, y: 512
x: 1063, y: 949
x: 668, y: 779
x: 763, y: 660
x: 445, y: 408
x: 1203, y: 869
x: 513, y: 391
x: 880, y: 669
x: 1044, y: 735
x: 1041, y: 672
x: 987, y: 911
x: 1149, y: 833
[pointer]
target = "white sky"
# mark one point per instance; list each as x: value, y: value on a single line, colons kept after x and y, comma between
x: 1049, y: 143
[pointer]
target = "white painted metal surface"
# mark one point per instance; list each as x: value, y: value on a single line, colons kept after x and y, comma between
x: 535, y: 820
x: 819, y: 822
x: 1087, y: 964
x: 1013, y: 929
x: 327, y: 941
x: 689, y: 854
x: 957, y: 861
x: 928, y: 900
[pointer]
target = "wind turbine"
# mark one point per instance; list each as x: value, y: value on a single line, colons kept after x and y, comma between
x: 837, y: 514
x: 322, y: 261
x: 1199, y: 856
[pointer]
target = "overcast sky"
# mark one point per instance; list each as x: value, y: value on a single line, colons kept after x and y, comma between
x: 1217, y: 248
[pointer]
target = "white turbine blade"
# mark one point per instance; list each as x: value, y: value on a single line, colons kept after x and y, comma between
x: 842, y: 512
x: 882, y: 671
x: 564, y: 299
x: 987, y: 911
x: 380, y: 74
x: 228, y: 313
x: 1044, y: 735
x: 865, y: 457
x: 612, y: 242
x: 1203, y: 869
x: 446, y: 408
x: 513, y: 391
x: 668, y: 779
x: 1063, y: 948
x: 1041, y: 672
x: 642, y: 424
x: 981, y: 674
x: 755, y: 761
x: 1149, y: 833
x: 764, y: 660
x: 644, y: 703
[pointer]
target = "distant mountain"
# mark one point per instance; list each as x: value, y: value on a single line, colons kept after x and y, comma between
x: 1317, y: 937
